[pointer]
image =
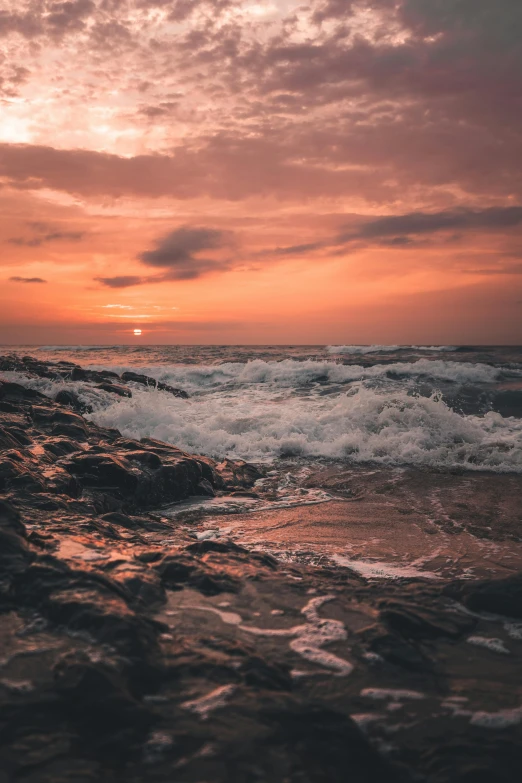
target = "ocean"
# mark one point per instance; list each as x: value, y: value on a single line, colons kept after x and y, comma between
x: 441, y: 407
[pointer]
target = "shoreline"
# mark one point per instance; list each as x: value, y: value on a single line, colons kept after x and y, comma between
x: 136, y: 651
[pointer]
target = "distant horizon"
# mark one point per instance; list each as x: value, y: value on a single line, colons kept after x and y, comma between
x: 257, y: 345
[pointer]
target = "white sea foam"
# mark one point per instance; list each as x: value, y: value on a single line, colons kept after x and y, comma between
x: 261, y: 420
x: 310, y: 638
x: 368, y: 425
x: 375, y: 570
x: 492, y: 644
x: 211, y: 701
x: 497, y: 720
x: 365, y: 349
x: 390, y: 694
x: 290, y: 373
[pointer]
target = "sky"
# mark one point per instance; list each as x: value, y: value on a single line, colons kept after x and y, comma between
x: 233, y: 171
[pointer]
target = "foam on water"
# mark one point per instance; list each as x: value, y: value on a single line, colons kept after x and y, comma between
x: 497, y: 720
x: 365, y: 349
x: 492, y: 644
x: 374, y: 570
x: 211, y: 701
x: 260, y: 420
x: 310, y: 638
x: 289, y: 373
x: 364, y: 426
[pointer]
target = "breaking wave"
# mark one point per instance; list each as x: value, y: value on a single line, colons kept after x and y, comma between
x: 289, y: 373
x: 364, y: 426
x: 364, y: 349
x: 262, y: 410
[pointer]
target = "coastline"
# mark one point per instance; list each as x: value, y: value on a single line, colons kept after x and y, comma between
x: 137, y: 650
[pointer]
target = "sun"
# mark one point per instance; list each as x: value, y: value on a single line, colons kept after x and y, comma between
x: 137, y: 332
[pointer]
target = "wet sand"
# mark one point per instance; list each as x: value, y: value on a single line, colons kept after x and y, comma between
x: 445, y: 525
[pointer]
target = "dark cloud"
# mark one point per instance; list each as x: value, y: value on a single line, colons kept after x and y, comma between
x: 176, y: 254
x: 298, y: 249
x: 429, y: 223
x: 69, y: 16
x: 414, y: 229
x: 177, y: 251
x: 514, y: 269
x: 53, y: 236
x: 17, y: 279
x: 121, y: 281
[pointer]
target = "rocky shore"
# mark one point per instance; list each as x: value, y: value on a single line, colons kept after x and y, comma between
x: 132, y: 651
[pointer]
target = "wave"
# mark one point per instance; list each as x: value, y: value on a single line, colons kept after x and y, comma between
x: 364, y: 425
x: 260, y: 411
x: 364, y: 349
x: 289, y: 373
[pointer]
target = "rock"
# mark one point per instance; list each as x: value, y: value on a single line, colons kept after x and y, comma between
x: 71, y: 400
x: 238, y: 473
x: 498, y: 596
x: 114, y: 388
x: 137, y: 378
x: 14, y: 551
x: 97, y: 698
x: 172, y: 390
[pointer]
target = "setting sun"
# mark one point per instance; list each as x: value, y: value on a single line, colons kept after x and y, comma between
x: 137, y: 332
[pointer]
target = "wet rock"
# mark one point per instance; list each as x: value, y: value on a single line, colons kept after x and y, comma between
x: 172, y: 390
x: 98, y: 698
x: 326, y: 744
x: 144, y: 586
x: 204, y: 487
x: 238, y: 473
x: 115, y: 388
x: 15, y: 392
x: 14, y: 551
x: 498, y: 596
x: 138, y: 378
x: 420, y: 622
x: 71, y: 400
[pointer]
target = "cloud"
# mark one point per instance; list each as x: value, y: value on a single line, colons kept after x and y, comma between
x: 17, y: 279
x: 53, y: 236
x: 176, y: 254
x: 122, y: 281
x: 411, y: 228
x: 514, y: 269
x: 449, y: 220
x: 177, y: 251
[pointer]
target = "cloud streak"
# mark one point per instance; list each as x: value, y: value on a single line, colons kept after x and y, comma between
x: 17, y: 279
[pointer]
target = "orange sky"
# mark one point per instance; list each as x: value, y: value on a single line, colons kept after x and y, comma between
x: 261, y: 172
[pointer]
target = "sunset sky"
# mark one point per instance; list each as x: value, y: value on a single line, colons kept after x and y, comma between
x: 233, y: 171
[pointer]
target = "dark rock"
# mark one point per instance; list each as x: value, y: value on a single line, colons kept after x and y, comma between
x: 216, y: 546
x: 94, y: 688
x: 420, y: 622
x: 15, y: 392
x: 69, y: 398
x: 78, y: 374
x: 14, y: 551
x: 114, y: 388
x: 498, y: 596
x: 238, y: 473
x: 137, y: 378
x: 204, y: 487
x: 98, y: 699
x: 173, y: 390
